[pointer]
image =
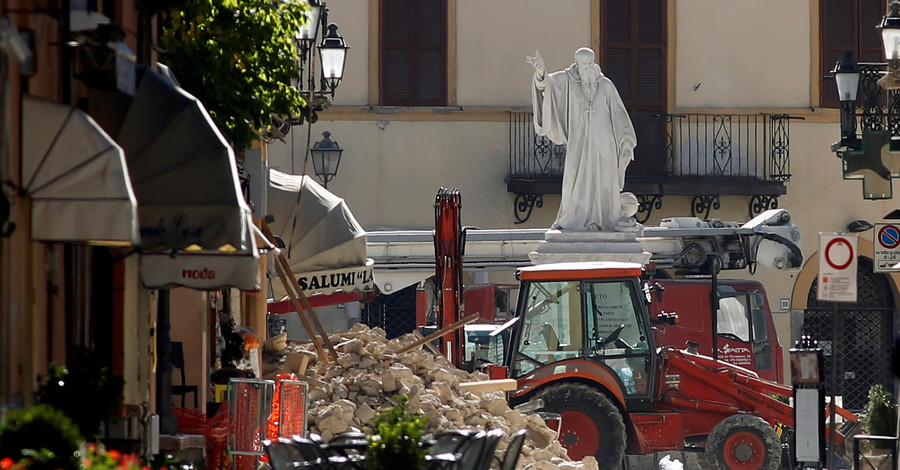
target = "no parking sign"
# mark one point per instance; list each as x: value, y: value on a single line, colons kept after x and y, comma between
x: 887, y: 248
x: 837, y: 267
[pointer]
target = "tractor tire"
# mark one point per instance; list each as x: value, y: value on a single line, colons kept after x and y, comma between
x: 743, y: 442
x: 591, y: 423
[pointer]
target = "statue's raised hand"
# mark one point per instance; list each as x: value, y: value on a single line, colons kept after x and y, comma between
x: 537, y: 62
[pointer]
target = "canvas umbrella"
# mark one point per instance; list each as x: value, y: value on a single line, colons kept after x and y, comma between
x: 76, y: 178
x: 195, y: 224
x: 323, y: 243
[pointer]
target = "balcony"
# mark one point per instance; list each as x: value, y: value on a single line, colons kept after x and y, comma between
x: 704, y: 156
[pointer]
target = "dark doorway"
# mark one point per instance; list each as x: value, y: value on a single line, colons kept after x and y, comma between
x: 865, y: 336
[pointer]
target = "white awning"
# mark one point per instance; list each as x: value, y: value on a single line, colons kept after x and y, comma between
x: 193, y: 216
x: 76, y: 177
x: 324, y: 244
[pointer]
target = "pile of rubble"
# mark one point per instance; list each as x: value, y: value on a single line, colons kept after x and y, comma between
x: 350, y: 392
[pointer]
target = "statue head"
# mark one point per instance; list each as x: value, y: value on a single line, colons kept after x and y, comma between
x: 584, y: 56
x: 588, y: 70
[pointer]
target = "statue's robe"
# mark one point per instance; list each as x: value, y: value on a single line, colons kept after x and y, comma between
x: 600, y: 141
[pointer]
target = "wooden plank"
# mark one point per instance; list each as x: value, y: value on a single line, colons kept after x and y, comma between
x: 437, y: 334
x: 281, y: 260
x: 303, y: 300
x: 427, y: 345
x: 288, y: 287
x: 503, y: 385
x: 314, y: 382
x: 299, y: 309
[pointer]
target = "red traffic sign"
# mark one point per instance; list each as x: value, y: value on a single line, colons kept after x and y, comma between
x: 839, y: 253
x: 837, y: 267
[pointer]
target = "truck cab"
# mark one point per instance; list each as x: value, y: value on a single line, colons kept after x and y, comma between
x: 745, y: 331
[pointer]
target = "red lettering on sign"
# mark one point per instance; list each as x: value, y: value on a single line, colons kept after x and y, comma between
x: 205, y: 274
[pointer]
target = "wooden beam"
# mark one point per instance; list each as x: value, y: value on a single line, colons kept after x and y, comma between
x: 296, y: 294
x: 299, y: 309
x: 437, y: 334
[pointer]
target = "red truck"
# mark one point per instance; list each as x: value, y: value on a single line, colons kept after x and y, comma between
x: 745, y: 329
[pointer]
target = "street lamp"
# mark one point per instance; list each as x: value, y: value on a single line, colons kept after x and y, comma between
x: 332, y: 56
x: 890, y: 36
x: 326, y: 156
x: 846, y: 74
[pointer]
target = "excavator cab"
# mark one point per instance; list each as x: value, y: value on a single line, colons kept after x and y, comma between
x: 596, y: 320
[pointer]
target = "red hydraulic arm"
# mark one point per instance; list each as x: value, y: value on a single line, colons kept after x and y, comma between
x: 736, y: 391
x: 449, y: 245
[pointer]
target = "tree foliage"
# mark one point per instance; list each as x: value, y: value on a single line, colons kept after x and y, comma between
x: 239, y: 58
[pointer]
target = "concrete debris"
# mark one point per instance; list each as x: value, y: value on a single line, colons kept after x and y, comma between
x: 369, y: 372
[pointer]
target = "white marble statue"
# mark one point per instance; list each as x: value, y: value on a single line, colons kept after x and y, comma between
x: 581, y: 108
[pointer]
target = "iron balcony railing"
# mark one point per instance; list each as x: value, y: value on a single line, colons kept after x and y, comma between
x: 670, y: 146
x: 879, y: 109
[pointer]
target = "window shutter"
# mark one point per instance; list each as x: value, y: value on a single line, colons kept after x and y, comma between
x: 838, y: 23
x: 633, y: 56
x: 413, y: 57
x: 847, y: 25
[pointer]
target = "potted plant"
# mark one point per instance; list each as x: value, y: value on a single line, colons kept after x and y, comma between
x: 396, y: 439
x: 879, y: 419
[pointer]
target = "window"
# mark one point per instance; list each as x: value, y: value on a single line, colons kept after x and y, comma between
x: 732, y: 320
x: 552, y: 325
x: 413, y: 63
x: 612, y: 331
x: 847, y: 25
x: 633, y: 55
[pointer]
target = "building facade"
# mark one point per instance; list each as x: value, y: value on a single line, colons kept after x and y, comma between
x: 733, y: 104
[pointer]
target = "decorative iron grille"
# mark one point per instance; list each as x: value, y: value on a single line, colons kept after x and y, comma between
x: 395, y: 313
x: 864, y: 344
x: 755, y: 146
x: 864, y: 336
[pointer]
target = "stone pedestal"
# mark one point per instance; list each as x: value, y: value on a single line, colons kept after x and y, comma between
x: 566, y: 246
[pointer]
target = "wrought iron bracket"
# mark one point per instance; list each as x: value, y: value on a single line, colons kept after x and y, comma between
x: 524, y: 205
x: 704, y: 203
x: 760, y: 203
x: 646, y: 204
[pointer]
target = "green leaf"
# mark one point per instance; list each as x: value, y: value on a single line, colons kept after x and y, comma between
x: 238, y: 58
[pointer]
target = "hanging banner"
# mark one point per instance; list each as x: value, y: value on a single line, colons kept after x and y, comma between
x: 837, y: 267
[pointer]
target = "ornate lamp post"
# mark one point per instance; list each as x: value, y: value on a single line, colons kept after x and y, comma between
x: 875, y: 157
x: 326, y: 157
x: 332, y: 57
x: 846, y: 74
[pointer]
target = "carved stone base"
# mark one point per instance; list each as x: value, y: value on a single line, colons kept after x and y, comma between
x: 566, y: 246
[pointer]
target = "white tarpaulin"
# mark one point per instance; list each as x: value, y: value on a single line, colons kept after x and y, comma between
x: 195, y: 224
x: 324, y: 244
x: 76, y: 177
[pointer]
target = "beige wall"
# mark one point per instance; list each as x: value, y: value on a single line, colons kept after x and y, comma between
x: 495, y: 37
x: 742, y: 54
x: 390, y: 177
x: 352, y: 19
x: 188, y: 317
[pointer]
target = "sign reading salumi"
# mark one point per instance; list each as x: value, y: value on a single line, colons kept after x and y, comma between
x: 349, y: 279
